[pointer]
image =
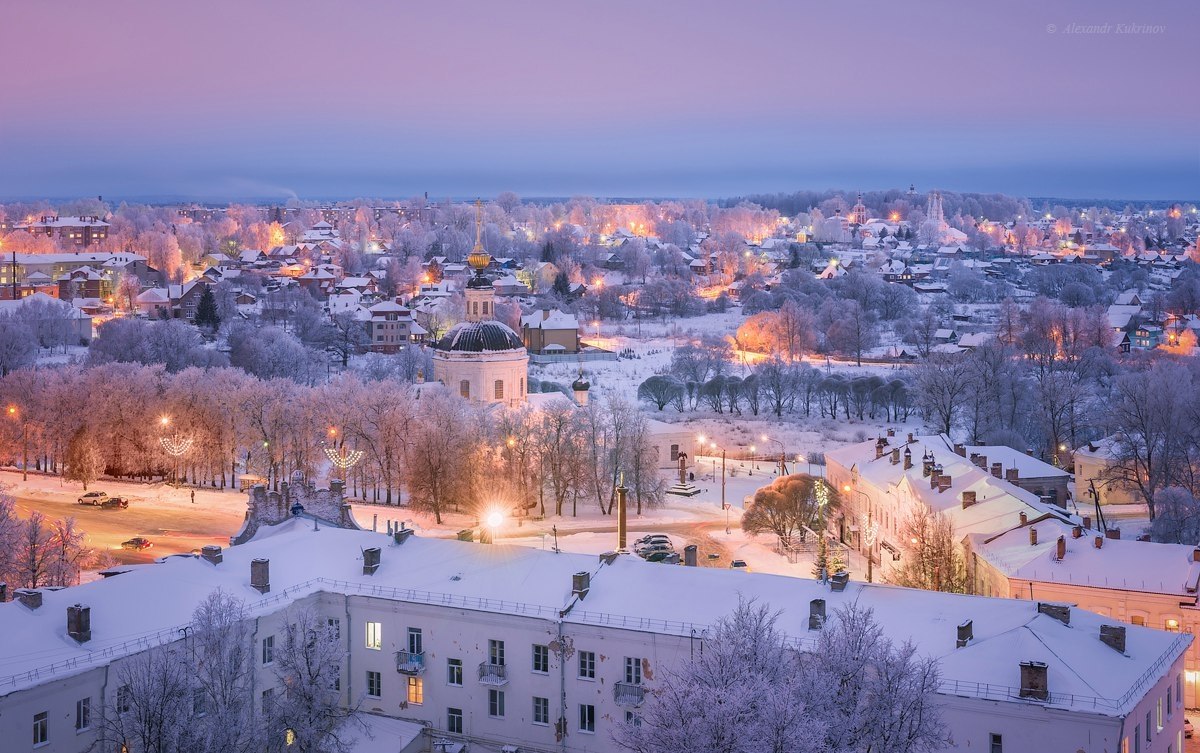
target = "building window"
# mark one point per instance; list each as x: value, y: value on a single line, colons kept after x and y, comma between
x: 633, y: 670
x: 587, y: 718
x: 496, y: 703
x: 496, y: 652
x: 632, y: 718
x: 454, y: 721
x: 541, y: 710
x: 375, y: 636
x: 268, y: 649
x: 41, y: 728
x: 374, y: 684
x: 335, y: 627
x: 587, y: 665
x: 268, y: 696
x: 123, y: 700
x: 464, y: 388
x: 541, y: 659
x: 1172, y: 625
x: 454, y: 672
x: 522, y: 387
x: 1147, y: 726
x: 997, y: 743
x: 1137, y: 739
x: 674, y: 453
x: 1159, y: 718
x: 499, y: 389
x: 1138, y: 619
x: 83, y: 714
x: 416, y: 690
x: 415, y: 644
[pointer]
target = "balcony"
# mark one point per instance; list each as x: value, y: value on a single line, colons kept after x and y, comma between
x: 493, y: 674
x: 410, y: 662
x: 628, y: 695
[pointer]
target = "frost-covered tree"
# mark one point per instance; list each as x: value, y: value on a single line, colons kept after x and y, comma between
x: 84, y: 461
x: 149, y: 708
x: 223, y: 677
x: 789, y: 504
x: 932, y: 559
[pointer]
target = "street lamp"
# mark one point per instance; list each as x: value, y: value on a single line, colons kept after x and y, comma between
x: 753, y: 458
x: 724, y: 504
x: 782, y: 464
x: 175, y: 445
x: 15, y: 414
x: 339, y: 456
x: 493, y: 521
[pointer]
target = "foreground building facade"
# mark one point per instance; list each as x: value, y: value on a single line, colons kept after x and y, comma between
x: 509, y: 646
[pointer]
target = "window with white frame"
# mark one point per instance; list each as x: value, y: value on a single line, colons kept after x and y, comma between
x: 268, y: 650
x: 83, y: 714
x: 541, y: 710
x: 633, y: 670
x: 41, y: 728
x: 495, y: 703
x: 587, y: 718
x: 454, y: 721
x: 416, y: 690
x: 375, y: 636
x: 587, y: 665
x: 454, y: 673
x: 541, y: 659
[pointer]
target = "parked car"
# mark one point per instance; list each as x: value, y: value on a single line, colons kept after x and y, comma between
x: 647, y: 552
x: 649, y: 541
x: 93, y: 498
x: 137, y: 543
x: 739, y: 565
x: 1187, y: 727
x: 115, y: 503
x: 659, y: 555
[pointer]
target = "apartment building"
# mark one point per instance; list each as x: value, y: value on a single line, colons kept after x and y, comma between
x: 509, y: 646
x: 69, y: 231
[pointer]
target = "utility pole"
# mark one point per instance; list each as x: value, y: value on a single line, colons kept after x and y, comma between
x: 724, y: 504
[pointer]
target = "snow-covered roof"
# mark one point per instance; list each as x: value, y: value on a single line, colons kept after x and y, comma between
x: 150, y: 604
x: 1027, y: 466
x: 550, y: 320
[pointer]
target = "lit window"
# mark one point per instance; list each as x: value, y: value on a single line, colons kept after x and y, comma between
x: 375, y: 636
x: 416, y: 690
x: 1172, y: 625
x: 454, y: 675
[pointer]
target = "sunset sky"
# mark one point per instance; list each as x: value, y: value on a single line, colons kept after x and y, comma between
x: 269, y: 98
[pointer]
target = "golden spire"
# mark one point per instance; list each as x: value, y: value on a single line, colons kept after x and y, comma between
x: 478, y: 258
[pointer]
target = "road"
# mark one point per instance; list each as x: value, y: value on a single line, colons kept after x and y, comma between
x: 172, y: 529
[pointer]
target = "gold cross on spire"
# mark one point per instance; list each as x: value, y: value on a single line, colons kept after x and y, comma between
x: 478, y: 225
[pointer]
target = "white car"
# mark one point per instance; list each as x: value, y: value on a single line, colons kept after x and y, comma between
x: 93, y: 498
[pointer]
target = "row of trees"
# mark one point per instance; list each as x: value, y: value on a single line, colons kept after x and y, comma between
x: 198, y: 695
x: 36, y: 552
x: 444, y: 452
x: 752, y: 690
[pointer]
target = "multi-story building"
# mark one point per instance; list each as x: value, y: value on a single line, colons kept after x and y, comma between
x: 32, y: 271
x: 390, y: 327
x: 512, y: 646
x: 69, y: 231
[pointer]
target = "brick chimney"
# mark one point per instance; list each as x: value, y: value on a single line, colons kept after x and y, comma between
x: 1023, y: 517
x: 838, y: 581
x: 1113, y: 636
x: 1077, y: 532
x: 998, y: 470
x: 968, y: 499
x: 1032, y: 536
x: 79, y: 622
x: 816, y: 614
x: 910, y: 437
x: 895, y: 456
x: 1060, y: 612
x: 30, y: 597
x: 907, y: 458
x: 260, y: 575
x: 879, y: 445
x: 943, y: 482
x: 371, y: 558
x: 1113, y: 533
x: 581, y: 583
x: 1033, y: 680
x: 960, y: 450
x: 1099, y: 542
x: 1060, y: 548
x: 1012, y: 476
x: 966, y: 632
x: 1195, y: 558
x: 1087, y: 522
x: 211, y: 553
x: 891, y: 433
x: 401, y: 534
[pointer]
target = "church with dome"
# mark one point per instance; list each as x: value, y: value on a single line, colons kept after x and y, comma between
x: 481, y: 359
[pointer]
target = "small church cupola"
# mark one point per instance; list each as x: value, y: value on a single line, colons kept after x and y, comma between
x: 480, y: 295
x: 580, y: 387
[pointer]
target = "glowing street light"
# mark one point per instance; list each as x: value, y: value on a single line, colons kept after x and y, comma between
x: 492, y: 522
x: 15, y: 415
x: 339, y: 456
x: 175, y: 444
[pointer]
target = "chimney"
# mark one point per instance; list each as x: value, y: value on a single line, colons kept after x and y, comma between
x: 926, y: 467
x: 943, y: 482
x: 1060, y: 548
x: 79, y: 623
x: 907, y: 458
x: 968, y: 499
x: 609, y: 557
x: 966, y: 632
x: 1023, y: 517
x: 30, y: 597
x: 3, y: 592
x: 891, y: 433
x: 816, y: 614
x: 910, y: 437
x: 580, y: 584
x: 1033, y: 680
x: 1099, y: 542
x: 1113, y: 636
x: 1087, y: 522
x: 1195, y: 558
x: 895, y: 456
x: 981, y: 461
x: 1060, y: 612
x: 371, y: 560
x: 622, y: 516
x: 1077, y: 532
x: 838, y: 581
x: 1113, y: 533
x: 975, y: 458
x: 960, y: 450
x: 1012, y: 476
x: 689, y: 555
x: 998, y: 470
x: 1032, y: 536
x: 260, y: 575
x: 400, y: 534
x: 879, y: 448
x: 211, y: 553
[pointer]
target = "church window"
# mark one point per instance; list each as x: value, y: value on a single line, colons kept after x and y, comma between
x: 499, y: 389
x: 522, y: 386
x: 464, y: 388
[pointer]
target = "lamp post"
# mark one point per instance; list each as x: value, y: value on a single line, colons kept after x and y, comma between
x: 782, y: 455
x: 493, y: 522
x: 724, y: 504
x: 338, y: 455
x: 753, y: 457
x: 174, y: 445
x: 870, y: 529
x: 15, y: 414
